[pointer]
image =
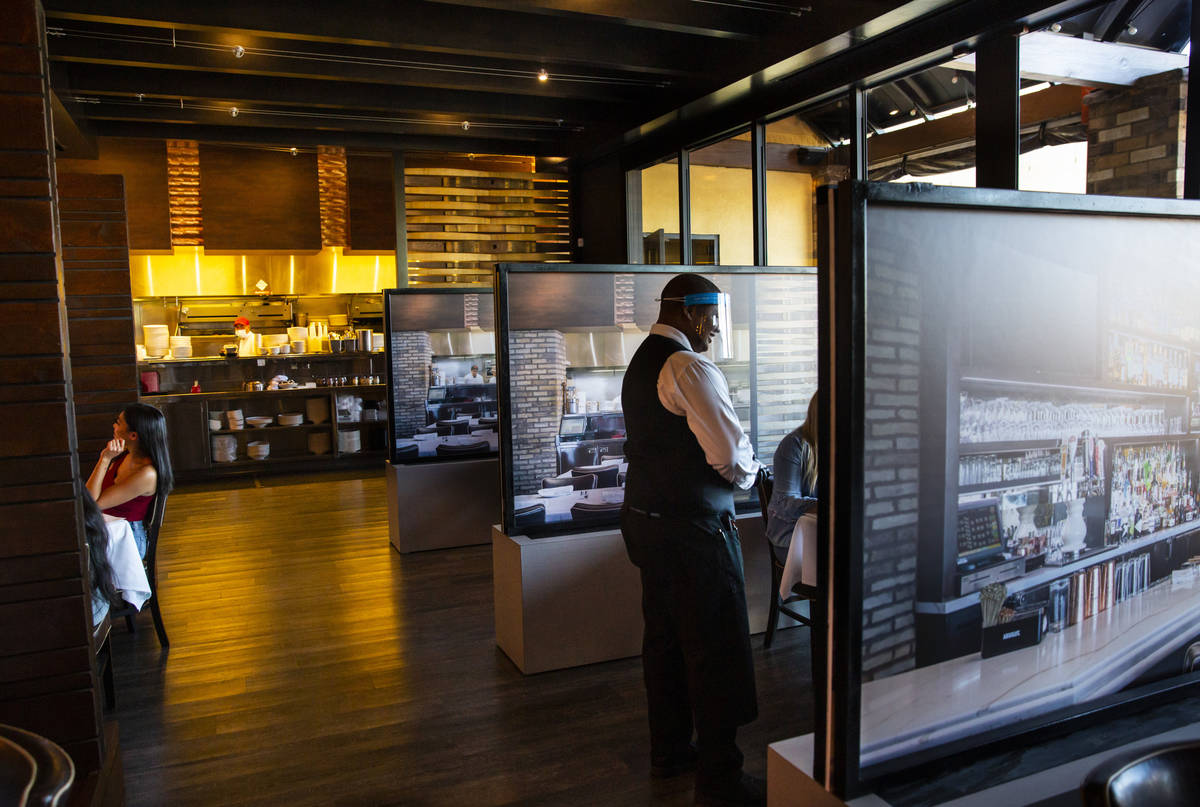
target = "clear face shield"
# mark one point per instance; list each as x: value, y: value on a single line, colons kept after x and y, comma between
x: 720, y: 324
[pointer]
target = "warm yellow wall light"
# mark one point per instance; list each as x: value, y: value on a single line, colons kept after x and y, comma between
x: 243, y: 274
x: 291, y: 274
x: 149, y: 277
x: 197, y: 255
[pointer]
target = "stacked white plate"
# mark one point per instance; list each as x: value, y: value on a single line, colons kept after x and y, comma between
x: 274, y: 339
x: 157, y: 340
x: 317, y: 410
x: 224, y: 448
x: 349, y: 442
x: 234, y: 418
x: 319, y: 442
x: 215, y: 423
x: 181, y: 347
x: 291, y: 418
x: 258, y: 449
x: 294, y: 333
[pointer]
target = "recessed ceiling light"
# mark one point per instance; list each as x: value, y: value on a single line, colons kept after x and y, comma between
x: 295, y: 151
x: 233, y: 111
x: 894, y: 112
x: 238, y: 51
x: 466, y: 125
x: 543, y: 75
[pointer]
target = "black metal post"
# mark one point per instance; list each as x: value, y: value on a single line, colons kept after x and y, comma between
x: 998, y: 113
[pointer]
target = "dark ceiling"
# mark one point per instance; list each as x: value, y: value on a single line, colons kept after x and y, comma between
x: 450, y: 75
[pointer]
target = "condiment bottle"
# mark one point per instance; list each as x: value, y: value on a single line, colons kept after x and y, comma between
x: 195, y: 385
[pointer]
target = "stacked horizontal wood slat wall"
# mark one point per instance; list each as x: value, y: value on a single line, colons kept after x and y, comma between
x: 143, y: 164
x: 47, y: 682
x: 99, y: 305
x: 461, y: 222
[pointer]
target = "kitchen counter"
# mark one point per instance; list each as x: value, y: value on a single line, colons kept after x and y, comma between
x: 934, y: 705
x: 238, y: 393
x: 204, y: 360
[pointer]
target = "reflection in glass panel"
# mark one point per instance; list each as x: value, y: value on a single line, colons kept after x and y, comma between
x: 571, y: 336
x: 659, y: 228
x: 802, y: 154
x: 921, y: 128
x: 443, y: 374
x: 1030, y: 508
x: 722, y: 204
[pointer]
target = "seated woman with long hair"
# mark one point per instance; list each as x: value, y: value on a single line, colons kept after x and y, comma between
x: 133, y: 468
x: 104, y: 591
x: 795, y: 490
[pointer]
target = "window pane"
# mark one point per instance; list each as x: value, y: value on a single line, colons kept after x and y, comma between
x: 722, y: 203
x: 659, y: 227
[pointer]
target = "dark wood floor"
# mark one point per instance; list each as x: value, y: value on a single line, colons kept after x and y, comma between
x: 312, y: 664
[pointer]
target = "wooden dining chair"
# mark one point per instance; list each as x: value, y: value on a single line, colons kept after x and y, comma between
x: 408, y: 453
x: 153, y: 524
x: 765, y: 485
x: 53, y: 771
x: 532, y: 516
x: 588, y: 513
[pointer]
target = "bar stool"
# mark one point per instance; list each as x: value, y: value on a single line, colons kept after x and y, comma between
x: 52, y: 772
x: 1157, y: 776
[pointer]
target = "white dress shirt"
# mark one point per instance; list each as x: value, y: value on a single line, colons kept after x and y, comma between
x: 692, y: 386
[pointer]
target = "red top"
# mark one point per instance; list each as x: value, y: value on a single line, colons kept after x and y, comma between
x: 133, y: 510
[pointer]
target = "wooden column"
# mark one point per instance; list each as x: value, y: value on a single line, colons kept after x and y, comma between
x: 47, y: 682
x: 91, y: 210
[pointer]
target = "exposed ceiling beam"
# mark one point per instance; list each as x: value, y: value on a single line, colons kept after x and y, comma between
x: 160, y: 84
x: 449, y: 129
x: 151, y: 47
x: 428, y: 27
x: 309, y: 137
x: 681, y: 16
x: 1086, y: 63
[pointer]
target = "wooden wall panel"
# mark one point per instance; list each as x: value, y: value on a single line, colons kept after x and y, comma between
x: 143, y: 164
x: 371, y: 203
x: 255, y: 199
x: 47, y: 683
x: 99, y: 305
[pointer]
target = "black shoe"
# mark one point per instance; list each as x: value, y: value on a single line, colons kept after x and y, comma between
x: 674, y: 765
x: 739, y: 790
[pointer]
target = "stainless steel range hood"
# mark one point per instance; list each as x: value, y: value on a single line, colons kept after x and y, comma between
x: 205, y: 315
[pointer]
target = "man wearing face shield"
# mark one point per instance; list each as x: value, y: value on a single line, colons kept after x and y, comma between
x: 687, y: 455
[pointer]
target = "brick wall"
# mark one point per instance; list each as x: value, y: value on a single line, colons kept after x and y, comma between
x: 1136, y: 137
x: 411, y: 355
x: 538, y: 363
x: 891, y: 461
x: 786, y: 351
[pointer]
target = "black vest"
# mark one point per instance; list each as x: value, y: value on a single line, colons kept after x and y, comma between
x: 668, y: 473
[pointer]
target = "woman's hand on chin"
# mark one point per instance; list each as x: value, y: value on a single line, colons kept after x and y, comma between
x: 114, y: 449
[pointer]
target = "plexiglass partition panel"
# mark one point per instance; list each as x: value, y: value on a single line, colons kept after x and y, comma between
x: 441, y: 374
x: 567, y: 334
x: 1030, y: 538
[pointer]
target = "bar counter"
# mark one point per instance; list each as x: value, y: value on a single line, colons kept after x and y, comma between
x: 935, y: 705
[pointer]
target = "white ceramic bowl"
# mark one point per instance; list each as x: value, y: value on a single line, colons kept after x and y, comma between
x: 259, y: 422
x: 290, y: 418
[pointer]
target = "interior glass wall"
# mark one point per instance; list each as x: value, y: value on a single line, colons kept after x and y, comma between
x: 570, y: 334
x: 1029, y: 504
x: 720, y: 178
x: 441, y: 374
x: 658, y: 187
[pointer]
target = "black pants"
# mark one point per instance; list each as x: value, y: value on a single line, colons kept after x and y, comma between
x: 696, y: 647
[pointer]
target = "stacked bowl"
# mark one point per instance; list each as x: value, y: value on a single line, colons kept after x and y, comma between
x: 258, y: 449
x: 224, y: 448
x: 291, y: 418
x: 349, y: 442
x: 157, y: 340
x: 233, y: 418
x: 181, y: 347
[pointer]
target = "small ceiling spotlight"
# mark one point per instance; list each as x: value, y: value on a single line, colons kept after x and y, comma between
x: 912, y: 113
x: 894, y: 112
x: 295, y: 151
x: 238, y: 51
x: 233, y: 111
x: 1131, y: 29
x: 141, y: 96
x: 543, y: 75
x: 954, y: 79
x: 466, y: 125
x: 1056, y: 27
